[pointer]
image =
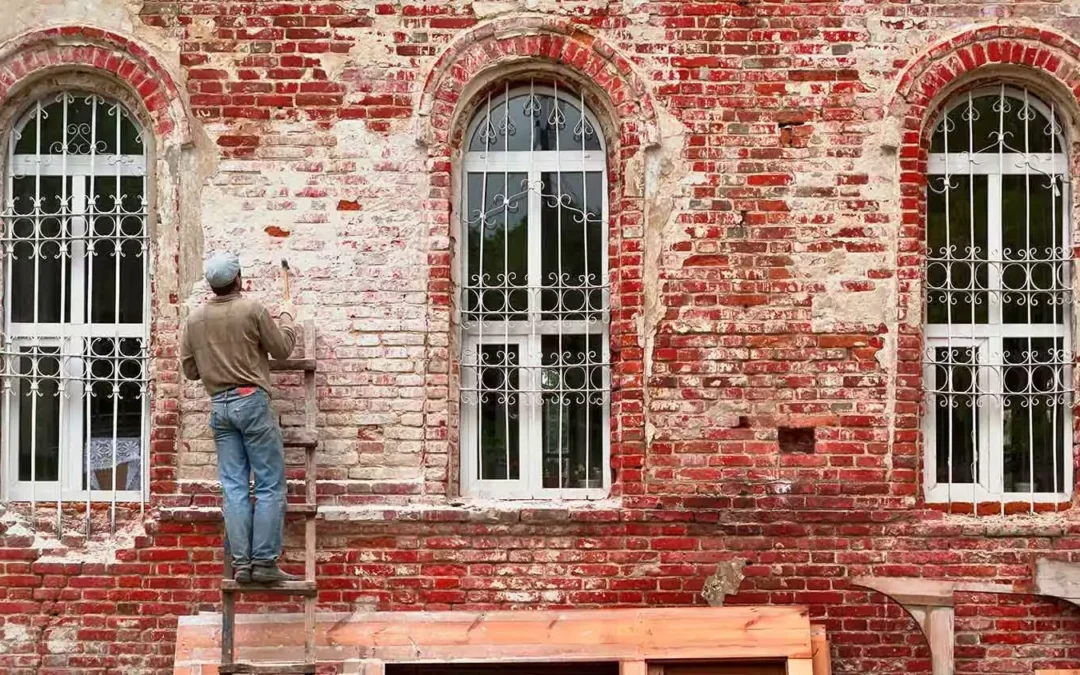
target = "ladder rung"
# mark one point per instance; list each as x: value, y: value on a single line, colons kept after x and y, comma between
x: 267, y: 668
x: 306, y: 509
x: 300, y: 437
x: 294, y: 364
x: 287, y: 587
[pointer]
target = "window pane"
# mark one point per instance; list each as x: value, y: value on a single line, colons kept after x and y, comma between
x: 1034, y: 414
x: 39, y: 414
x: 1034, y: 276
x: 36, y: 228
x: 114, y: 228
x: 572, y: 245
x: 955, y: 402
x: 573, y: 412
x: 957, y: 273
x: 498, y: 257
x: 115, y: 406
x: 499, y: 401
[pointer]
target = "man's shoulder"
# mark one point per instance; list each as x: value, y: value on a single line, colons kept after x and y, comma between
x: 249, y: 306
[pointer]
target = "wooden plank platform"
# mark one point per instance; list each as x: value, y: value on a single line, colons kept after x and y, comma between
x: 304, y: 588
x: 306, y: 365
x: 299, y: 437
x: 267, y: 668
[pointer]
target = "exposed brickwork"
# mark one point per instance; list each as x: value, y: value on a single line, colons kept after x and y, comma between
x: 766, y: 203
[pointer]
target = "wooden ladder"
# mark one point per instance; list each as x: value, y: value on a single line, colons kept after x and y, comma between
x: 305, y: 437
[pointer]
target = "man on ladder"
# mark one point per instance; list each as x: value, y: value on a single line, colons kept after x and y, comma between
x: 225, y: 344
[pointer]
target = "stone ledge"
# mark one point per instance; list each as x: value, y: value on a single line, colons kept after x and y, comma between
x: 528, y: 512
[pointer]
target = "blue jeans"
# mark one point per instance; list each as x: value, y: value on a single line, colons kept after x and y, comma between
x: 249, y: 443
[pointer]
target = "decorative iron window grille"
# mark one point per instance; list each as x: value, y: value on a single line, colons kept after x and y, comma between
x: 74, y: 351
x: 998, y: 367
x: 534, y: 303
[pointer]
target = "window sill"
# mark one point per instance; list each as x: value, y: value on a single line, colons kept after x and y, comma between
x: 457, y: 511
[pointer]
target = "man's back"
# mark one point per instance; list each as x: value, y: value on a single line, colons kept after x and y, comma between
x: 226, y: 342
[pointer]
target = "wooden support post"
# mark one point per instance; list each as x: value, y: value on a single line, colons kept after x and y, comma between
x: 930, y: 603
x: 800, y: 667
x: 228, y: 610
x: 311, y: 411
x: 633, y: 668
x: 1058, y: 579
x: 819, y: 650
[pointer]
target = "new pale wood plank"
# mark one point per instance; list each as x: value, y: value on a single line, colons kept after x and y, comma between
x: 704, y: 633
x: 800, y: 667
x: 1058, y: 579
x: 633, y: 668
x: 819, y: 646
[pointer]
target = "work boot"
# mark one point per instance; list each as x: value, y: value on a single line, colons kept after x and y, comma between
x: 242, y: 575
x: 269, y: 574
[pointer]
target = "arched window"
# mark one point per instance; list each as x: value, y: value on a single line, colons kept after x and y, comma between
x: 998, y: 372
x: 534, y: 299
x: 75, y: 324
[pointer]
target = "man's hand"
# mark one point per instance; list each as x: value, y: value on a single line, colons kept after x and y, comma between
x: 288, y: 307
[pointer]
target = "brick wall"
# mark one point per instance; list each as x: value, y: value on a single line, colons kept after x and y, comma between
x: 766, y: 224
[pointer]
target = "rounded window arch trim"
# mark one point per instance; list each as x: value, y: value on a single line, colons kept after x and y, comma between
x: 1012, y: 88
x: 509, y: 45
x: 104, y: 55
x: 547, y: 86
x: 29, y: 109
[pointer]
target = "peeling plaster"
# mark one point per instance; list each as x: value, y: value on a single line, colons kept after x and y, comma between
x: 121, y: 16
x: 100, y: 548
x: 489, y: 8
x: 657, y: 174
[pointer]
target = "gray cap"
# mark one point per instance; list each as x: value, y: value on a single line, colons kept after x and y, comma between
x: 221, y: 269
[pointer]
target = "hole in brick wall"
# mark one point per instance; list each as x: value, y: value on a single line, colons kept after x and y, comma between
x: 744, y: 422
x: 796, y: 440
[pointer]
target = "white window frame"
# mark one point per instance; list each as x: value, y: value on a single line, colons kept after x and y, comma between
x: 988, y: 338
x: 72, y: 337
x: 527, y: 334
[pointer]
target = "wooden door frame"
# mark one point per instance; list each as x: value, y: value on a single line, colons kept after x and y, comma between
x: 365, y: 642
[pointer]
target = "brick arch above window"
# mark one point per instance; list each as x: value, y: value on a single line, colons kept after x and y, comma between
x: 1043, y: 62
x: 29, y: 57
x: 507, y: 42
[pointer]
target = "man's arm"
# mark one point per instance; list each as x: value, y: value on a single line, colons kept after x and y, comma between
x: 187, y: 357
x: 278, y: 341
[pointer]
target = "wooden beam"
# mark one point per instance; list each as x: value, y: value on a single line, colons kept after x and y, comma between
x: 819, y: 650
x: 363, y: 667
x: 633, y: 668
x: 930, y: 603
x: 771, y: 633
x: 940, y: 633
x: 1058, y: 579
x: 800, y: 667
x: 927, y: 592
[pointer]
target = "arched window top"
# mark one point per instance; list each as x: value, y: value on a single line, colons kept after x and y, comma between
x: 77, y: 123
x: 998, y: 119
x: 527, y: 118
